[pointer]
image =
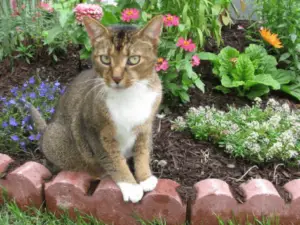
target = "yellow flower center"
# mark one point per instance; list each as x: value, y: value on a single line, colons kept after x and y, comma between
x: 129, y: 13
x: 160, y: 60
x: 169, y: 18
x: 185, y: 43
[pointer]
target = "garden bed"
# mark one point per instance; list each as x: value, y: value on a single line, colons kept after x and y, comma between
x: 186, y: 160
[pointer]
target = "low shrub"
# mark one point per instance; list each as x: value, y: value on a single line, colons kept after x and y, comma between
x: 259, y: 134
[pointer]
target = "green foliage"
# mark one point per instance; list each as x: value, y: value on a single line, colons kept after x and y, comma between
x: 22, y: 30
x: 253, y: 133
x: 252, y: 73
x: 282, y: 18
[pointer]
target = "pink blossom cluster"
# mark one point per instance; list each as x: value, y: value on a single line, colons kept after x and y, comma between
x: 161, y: 64
x: 46, y: 6
x: 91, y: 10
x: 130, y: 14
x: 171, y: 20
x: 187, y: 45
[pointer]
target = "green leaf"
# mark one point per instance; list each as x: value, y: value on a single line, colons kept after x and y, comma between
x: 284, y: 56
x: 227, y: 82
x: 223, y: 89
x: 53, y: 33
x: 293, y: 90
x: 244, y: 69
x: 293, y: 37
x: 170, y: 76
x: 265, y: 79
x: 257, y: 91
x: 224, y: 60
x: 284, y: 76
x: 64, y: 16
x: 199, y: 84
x: 207, y: 56
x: 184, y: 96
x: 109, y: 18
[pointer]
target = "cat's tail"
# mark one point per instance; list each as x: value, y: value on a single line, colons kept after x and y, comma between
x: 39, y: 121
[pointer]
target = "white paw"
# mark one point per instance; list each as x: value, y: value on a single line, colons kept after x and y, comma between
x: 131, y: 192
x: 149, y: 184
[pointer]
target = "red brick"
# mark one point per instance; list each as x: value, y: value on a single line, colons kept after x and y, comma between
x: 164, y: 202
x: 293, y: 209
x: 109, y: 205
x: 5, y: 160
x: 262, y: 199
x: 213, y: 198
x: 68, y: 191
x: 25, y: 184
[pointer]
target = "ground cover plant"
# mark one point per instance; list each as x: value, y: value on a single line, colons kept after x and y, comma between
x: 257, y: 134
x: 17, y: 132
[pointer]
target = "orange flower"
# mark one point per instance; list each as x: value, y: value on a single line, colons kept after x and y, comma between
x: 272, y: 39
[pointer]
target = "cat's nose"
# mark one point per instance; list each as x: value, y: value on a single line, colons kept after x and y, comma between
x: 117, y: 79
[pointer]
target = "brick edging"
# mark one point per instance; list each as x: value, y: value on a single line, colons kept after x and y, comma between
x: 69, y: 191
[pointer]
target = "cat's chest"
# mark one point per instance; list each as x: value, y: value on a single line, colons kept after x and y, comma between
x: 129, y: 108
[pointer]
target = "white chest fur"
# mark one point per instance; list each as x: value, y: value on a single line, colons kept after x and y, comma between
x: 129, y: 108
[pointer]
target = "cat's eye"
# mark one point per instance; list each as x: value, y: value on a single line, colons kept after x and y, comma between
x: 105, y: 59
x: 133, y: 60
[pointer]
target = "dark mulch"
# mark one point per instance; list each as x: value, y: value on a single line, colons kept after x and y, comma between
x: 176, y: 155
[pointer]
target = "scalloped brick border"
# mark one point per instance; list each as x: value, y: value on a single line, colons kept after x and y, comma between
x: 27, y: 185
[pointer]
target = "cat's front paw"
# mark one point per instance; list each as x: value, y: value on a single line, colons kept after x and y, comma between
x: 131, y: 192
x: 149, y: 184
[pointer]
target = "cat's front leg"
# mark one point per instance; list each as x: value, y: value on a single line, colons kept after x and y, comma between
x: 116, y: 166
x: 142, y: 151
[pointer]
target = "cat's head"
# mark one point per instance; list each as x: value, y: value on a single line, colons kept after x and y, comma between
x: 124, y: 54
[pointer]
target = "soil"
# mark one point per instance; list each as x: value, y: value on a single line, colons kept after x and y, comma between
x: 176, y: 155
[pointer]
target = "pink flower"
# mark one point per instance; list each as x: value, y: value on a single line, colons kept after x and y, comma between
x: 130, y: 14
x: 170, y: 20
x: 195, y: 60
x: 161, y: 64
x: 46, y: 6
x: 239, y: 27
x: 187, y: 45
x: 91, y: 10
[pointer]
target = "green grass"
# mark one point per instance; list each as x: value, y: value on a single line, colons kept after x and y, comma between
x: 10, y: 214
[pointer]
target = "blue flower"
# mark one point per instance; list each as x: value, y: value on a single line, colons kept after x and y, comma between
x: 31, y: 137
x: 4, y: 124
x: 32, y: 95
x: 25, y: 120
x: 25, y: 85
x: 14, y: 137
x: 52, y: 110
x: 30, y: 127
x: 22, y: 144
x: 38, y: 136
x: 62, y: 91
x: 51, y: 97
x: 12, y: 102
x: 14, y: 91
x: 13, y: 122
x: 31, y: 80
x: 2, y: 99
x: 57, y: 84
x: 23, y: 99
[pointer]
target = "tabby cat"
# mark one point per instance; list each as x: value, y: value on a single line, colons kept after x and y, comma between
x: 106, y: 114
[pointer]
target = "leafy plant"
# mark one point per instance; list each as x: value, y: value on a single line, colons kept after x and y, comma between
x: 282, y: 18
x: 22, y: 27
x: 17, y: 133
x: 251, y: 74
x: 253, y: 133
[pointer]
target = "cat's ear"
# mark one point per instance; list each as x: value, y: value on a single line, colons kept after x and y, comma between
x: 94, y: 28
x: 153, y: 29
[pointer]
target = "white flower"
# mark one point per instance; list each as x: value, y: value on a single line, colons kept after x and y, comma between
x: 178, y: 124
x: 292, y: 153
x: 257, y: 101
x: 254, y: 125
x: 286, y: 107
x: 272, y: 103
x: 229, y: 148
x: 274, y: 121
